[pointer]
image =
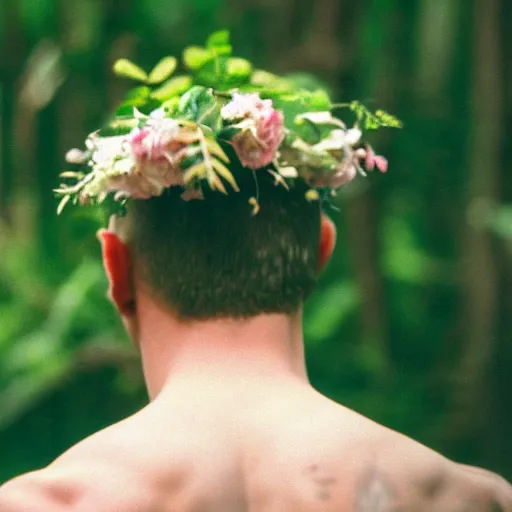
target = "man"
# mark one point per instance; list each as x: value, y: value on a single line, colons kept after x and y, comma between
x: 222, y: 244
x: 212, y: 297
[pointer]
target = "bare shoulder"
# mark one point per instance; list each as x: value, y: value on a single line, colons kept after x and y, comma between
x: 100, y: 473
x: 484, y: 486
x: 365, y: 467
x: 30, y: 492
x: 408, y: 476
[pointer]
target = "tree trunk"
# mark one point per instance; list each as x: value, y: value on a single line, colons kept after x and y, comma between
x: 480, y: 276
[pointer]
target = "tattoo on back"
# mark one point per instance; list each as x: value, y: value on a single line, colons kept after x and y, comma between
x: 374, y: 493
x: 323, y: 482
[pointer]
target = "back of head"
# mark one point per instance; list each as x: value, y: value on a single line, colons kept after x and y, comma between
x: 214, y: 258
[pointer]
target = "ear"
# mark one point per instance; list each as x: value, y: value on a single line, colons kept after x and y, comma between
x: 117, y: 264
x: 327, y: 241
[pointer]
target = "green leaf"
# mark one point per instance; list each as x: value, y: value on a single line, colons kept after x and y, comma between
x: 125, y: 110
x: 173, y: 87
x: 163, y: 70
x: 213, y: 74
x: 216, y: 74
x: 197, y: 104
x: 210, y: 112
x: 238, y: 68
x: 138, y: 94
x: 388, y: 120
x: 264, y: 78
x: 220, y: 43
x: 138, y: 97
x: 222, y: 51
x: 294, y: 104
x: 219, y: 38
x: 171, y: 106
x: 196, y: 57
x: 371, y: 121
x: 127, y: 69
x: 318, y: 100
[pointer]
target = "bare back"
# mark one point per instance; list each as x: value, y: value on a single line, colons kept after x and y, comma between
x: 290, y: 449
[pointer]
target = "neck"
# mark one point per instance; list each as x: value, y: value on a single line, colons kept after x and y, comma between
x: 269, y: 346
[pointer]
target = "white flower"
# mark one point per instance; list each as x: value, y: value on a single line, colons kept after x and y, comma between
x: 353, y: 136
x: 159, y: 113
x: 110, y: 155
x: 244, y: 106
x: 339, y: 139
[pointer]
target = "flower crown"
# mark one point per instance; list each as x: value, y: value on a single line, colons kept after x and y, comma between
x: 173, y: 131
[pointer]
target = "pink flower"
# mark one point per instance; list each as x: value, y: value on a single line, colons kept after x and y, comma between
x: 157, y: 140
x: 261, y: 129
x: 131, y: 185
x: 137, y: 138
x: 162, y: 173
x: 144, y: 182
x: 372, y: 160
x: 157, y: 153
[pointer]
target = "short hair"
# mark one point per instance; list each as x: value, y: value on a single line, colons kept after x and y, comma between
x: 214, y: 258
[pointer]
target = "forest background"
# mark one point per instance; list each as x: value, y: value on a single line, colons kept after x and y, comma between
x: 411, y: 324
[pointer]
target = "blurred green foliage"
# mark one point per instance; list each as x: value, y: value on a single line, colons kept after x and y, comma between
x: 411, y: 321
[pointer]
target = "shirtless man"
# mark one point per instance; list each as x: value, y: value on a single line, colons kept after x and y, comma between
x: 212, y: 297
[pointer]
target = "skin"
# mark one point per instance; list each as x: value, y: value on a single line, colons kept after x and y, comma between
x: 234, y: 426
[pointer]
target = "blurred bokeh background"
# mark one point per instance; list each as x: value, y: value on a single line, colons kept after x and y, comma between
x: 411, y: 324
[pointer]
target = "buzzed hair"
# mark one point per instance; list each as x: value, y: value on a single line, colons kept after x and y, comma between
x: 213, y: 258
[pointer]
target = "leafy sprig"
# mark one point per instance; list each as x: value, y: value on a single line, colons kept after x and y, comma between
x: 373, y: 121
